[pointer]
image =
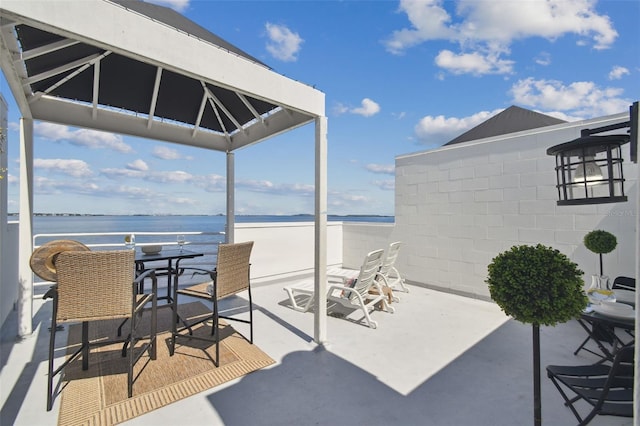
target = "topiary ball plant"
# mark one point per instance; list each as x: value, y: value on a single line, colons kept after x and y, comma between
x: 537, y: 285
x: 600, y: 242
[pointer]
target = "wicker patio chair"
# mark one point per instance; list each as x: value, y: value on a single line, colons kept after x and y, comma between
x: 229, y: 278
x: 95, y: 286
x: 607, y: 388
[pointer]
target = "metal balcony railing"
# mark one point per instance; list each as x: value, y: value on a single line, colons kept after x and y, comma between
x: 206, y: 242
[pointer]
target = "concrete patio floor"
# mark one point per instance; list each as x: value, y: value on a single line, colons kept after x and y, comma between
x: 440, y: 359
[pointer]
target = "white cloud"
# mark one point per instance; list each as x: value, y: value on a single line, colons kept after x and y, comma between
x: 166, y: 177
x: 618, y: 72
x: 429, y: 21
x: 340, y: 109
x: 213, y: 183
x: 504, y: 22
x: 473, y: 63
x: 436, y: 130
x: 184, y: 201
x: 138, y: 165
x: 75, y: 168
x: 582, y: 99
x: 121, y: 173
x: 486, y: 29
x: 166, y: 153
x: 133, y: 192
x: 82, y: 137
x: 543, y: 58
x: 178, y: 5
x: 283, y: 43
x: 388, y: 169
x: 367, y: 108
x: 269, y: 187
x: 47, y: 186
x: 385, y: 185
x: 177, y: 176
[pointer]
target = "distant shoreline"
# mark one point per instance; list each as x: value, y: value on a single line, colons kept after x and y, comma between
x: 178, y: 215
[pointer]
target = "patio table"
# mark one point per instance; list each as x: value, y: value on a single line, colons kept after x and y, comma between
x: 168, y: 255
x: 594, y: 323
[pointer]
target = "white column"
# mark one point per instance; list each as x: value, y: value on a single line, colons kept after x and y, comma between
x: 636, y: 380
x: 635, y: 141
x: 7, y: 279
x: 25, y: 276
x: 4, y: 177
x: 320, y: 258
x: 231, y: 198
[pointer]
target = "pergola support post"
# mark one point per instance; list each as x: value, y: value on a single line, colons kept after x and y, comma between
x: 25, y: 228
x: 636, y: 381
x: 320, y: 258
x: 231, y: 199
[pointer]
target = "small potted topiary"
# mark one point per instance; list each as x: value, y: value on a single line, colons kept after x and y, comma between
x: 536, y: 285
x: 600, y: 242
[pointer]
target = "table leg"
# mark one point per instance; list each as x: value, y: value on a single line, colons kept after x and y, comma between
x: 606, y: 354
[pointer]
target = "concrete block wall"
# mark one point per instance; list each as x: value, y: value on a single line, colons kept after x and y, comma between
x: 457, y: 207
x: 361, y: 238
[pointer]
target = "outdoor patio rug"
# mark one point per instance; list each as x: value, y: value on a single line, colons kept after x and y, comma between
x: 98, y: 396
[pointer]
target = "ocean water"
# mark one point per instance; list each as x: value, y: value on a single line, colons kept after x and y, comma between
x: 186, y: 224
x: 64, y: 224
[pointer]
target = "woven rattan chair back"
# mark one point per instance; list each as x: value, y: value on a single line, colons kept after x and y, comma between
x: 95, y: 285
x: 232, y: 270
x: 230, y: 277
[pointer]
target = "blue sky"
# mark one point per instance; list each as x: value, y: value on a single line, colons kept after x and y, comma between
x: 399, y: 77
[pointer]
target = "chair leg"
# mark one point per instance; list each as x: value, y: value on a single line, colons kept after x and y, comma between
x: 567, y: 401
x: 85, y: 345
x: 132, y: 342
x: 154, y: 321
x: 363, y: 307
x: 250, y: 317
x: 216, y: 329
x: 582, y: 345
x: 52, y: 344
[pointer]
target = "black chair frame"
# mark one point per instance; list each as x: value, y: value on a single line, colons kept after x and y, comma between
x: 608, y: 388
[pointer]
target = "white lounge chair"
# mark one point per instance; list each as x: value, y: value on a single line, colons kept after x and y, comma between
x: 348, y: 292
x: 392, y: 276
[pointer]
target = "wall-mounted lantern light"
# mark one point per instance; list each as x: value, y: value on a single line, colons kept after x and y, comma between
x: 589, y: 169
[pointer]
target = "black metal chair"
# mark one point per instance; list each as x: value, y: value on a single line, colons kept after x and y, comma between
x: 624, y: 283
x: 230, y: 277
x: 608, y: 388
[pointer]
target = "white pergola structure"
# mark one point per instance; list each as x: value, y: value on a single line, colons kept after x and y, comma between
x: 135, y: 68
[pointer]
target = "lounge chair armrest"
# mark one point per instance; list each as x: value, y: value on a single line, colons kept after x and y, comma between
x: 384, y: 280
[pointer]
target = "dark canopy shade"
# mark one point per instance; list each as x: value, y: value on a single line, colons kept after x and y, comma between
x: 135, y: 68
x: 155, y: 72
